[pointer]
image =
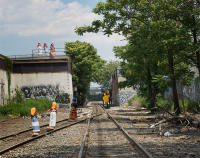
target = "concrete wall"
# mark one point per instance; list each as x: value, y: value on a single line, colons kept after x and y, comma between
x: 3, y: 87
x: 37, y: 77
x: 120, y: 95
x: 42, y: 76
x: 43, y: 84
x: 125, y: 93
x: 191, y: 92
x: 115, y: 89
x: 3, y: 82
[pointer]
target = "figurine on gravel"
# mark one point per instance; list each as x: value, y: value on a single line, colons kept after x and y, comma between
x: 106, y: 98
x: 52, y: 122
x: 73, y: 112
x: 35, y: 123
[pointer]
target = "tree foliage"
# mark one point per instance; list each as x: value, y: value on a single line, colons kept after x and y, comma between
x: 86, y: 64
x: 106, y: 72
x: 162, y: 41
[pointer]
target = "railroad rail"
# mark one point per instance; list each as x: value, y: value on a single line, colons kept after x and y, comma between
x: 133, y: 143
x: 81, y: 152
x: 27, y: 130
x: 43, y: 133
x: 63, y: 124
x: 130, y: 139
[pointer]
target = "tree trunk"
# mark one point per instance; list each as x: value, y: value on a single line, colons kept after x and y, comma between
x: 194, y: 34
x: 174, y: 89
x: 152, y: 95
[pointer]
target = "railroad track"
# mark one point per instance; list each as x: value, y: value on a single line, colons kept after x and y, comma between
x: 27, y: 130
x: 108, y: 142
x: 13, y: 141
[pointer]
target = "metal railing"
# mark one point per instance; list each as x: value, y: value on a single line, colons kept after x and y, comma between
x: 40, y: 53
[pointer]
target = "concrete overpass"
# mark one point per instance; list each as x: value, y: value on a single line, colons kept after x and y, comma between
x: 37, y: 76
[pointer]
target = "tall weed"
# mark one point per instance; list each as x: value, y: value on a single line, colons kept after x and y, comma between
x: 139, y: 100
x: 189, y: 105
x: 23, y: 108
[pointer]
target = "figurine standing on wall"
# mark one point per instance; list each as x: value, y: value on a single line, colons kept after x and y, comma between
x: 39, y: 46
x: 35, y: 123
x: 52, y: 122
x: 52, y: 50
x: 45, y: 49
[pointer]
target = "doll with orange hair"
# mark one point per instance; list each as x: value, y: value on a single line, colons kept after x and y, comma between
x: 106, y: 98
x: 35, y: 123
x: 52, y: 122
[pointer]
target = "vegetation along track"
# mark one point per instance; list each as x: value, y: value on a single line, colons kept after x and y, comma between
x: 103, y: 138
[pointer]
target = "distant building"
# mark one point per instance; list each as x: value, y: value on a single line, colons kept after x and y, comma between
x: 95, y: 90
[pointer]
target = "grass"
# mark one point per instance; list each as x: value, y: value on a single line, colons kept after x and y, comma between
x: 189, y: 106
x: 23, y: 108
x: 140, y: 101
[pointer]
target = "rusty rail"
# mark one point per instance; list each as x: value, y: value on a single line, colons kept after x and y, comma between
x: 80, y: 155
x: 42, y: 135
x: 27, y: 130
x: 130, y: 139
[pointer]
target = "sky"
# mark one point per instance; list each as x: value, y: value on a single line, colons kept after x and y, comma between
x: 24, y: 23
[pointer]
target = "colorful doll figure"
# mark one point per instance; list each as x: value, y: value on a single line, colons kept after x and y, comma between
x: 106, y: 98
x: 73, y: 112
x: 52, y: 122
x: 74, y: 102
x: 52, y: 50
x: 39, y: 46
x: 35, y: 123
x: 45, y: 49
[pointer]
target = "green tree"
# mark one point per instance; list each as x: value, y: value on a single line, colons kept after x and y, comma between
x: 106, y: 72
x: 156, y: 21
x: 189, y: 16
x: 85, y: 66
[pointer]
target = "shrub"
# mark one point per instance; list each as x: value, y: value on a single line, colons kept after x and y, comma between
x: 19, y: 97
x: 138, y: 101
x: 23, y: 108
x: 162, y: 103
x: 189, y: 105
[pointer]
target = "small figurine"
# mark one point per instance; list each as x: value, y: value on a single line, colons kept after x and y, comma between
x: 52, y: 50
x: 52, y: 122
x: 45, y: 49
x: 73, y: 112
x: 106, y: 98
x: 35, y: 123
x: 39, y: 46
x: 75, y: 101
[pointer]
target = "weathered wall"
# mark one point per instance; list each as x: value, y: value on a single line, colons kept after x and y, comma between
x: 3, y: 87
x: 121, y: 95
x: 191, y: 92
x: 42, y: 76
x: 42, y: 84
x: 125, y: 93
x: 115, y: 89
x: 3, y: 82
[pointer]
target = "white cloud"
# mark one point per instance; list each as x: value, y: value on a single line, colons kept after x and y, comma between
x: 46, y: 17
x: 55, y: 20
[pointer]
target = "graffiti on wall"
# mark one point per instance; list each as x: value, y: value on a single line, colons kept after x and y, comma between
x: 40, y: 91
x: 125, y: 97
x: 191, y: 92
